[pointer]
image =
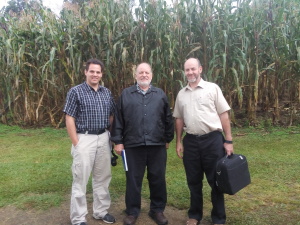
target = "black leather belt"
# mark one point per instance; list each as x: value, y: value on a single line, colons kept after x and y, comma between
x: 203, y: 136
x: 97, y: 132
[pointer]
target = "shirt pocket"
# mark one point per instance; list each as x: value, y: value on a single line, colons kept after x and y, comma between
x: 205, y: 102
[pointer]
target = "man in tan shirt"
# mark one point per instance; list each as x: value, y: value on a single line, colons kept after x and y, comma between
x: 202, y: 112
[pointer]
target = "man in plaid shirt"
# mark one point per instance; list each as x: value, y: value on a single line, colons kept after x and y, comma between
x: 89, y: 113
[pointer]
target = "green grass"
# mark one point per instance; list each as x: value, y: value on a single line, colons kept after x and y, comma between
x: 35, y: 173
x: 35, y: 167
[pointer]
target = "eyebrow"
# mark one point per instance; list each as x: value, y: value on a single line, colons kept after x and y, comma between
x: 97, y: 71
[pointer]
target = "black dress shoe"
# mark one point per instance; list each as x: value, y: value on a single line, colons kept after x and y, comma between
x: 129, y: 220
x: 158, y: 217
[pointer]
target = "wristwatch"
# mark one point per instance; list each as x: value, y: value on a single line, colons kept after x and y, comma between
x: 228, y: 142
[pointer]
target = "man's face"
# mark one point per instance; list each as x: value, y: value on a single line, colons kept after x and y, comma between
x: 192, y: 70
x: 143, y: 75
x: 93, y: 75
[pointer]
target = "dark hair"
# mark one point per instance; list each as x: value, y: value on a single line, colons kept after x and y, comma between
x: 94, y: 61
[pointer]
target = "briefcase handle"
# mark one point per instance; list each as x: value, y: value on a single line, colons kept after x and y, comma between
x: 230, y: 156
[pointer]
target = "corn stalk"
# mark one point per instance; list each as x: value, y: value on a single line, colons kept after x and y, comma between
x: 250, y: 48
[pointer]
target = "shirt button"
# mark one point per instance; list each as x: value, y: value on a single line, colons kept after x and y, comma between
x: 145, y: 114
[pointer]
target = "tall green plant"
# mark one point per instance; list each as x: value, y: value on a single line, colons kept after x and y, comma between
x: 250, y: 48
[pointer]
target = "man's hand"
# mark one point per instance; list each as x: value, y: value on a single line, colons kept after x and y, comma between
x: 228, y: 148
x: 119, y: 148
x: 179, y: 150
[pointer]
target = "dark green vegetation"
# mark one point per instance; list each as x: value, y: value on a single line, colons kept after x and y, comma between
x: 35, y: 173
x: 249, y: 47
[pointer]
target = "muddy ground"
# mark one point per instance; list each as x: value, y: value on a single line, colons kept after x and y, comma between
x: 10, y: 215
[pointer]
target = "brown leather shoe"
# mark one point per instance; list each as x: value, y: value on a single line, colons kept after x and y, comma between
x: 158, y: 217
x: 129, y: 220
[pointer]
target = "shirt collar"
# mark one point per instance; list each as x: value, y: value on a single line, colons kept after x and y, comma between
x: 201, y: 84
x: 88, y: 87
x: 141, y: 90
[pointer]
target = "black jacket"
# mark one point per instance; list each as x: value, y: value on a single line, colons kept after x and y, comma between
x: 142, y: 119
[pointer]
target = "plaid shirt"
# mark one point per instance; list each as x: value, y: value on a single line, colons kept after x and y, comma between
x: 141, y: 90
x: 91, y: 109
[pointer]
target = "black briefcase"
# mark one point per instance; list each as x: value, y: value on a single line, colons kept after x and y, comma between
x: 232, y: 174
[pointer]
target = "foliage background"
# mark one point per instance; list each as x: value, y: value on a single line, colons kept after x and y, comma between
x: 249, y: 48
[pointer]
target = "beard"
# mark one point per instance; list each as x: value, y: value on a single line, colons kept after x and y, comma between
x: 144, y: 83
x: 192, y: 80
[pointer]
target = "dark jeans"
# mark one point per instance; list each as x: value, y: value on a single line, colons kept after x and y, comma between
x: 153, y: 158
x: 201, y: 154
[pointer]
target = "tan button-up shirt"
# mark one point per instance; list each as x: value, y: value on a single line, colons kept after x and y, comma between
x: 200, y: 108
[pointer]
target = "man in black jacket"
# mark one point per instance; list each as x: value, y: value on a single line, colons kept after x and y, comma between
x: 143, y: 126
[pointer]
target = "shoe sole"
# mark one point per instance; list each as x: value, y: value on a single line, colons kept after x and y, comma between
x: 105, y: 221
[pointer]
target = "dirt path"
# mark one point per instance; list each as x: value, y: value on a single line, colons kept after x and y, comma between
x: 60, y: 216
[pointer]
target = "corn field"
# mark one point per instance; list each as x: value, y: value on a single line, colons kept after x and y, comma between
x: 250, y: 48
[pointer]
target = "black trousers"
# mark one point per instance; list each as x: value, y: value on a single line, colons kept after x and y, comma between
x: 200, y: 156
x: 153, y: 158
